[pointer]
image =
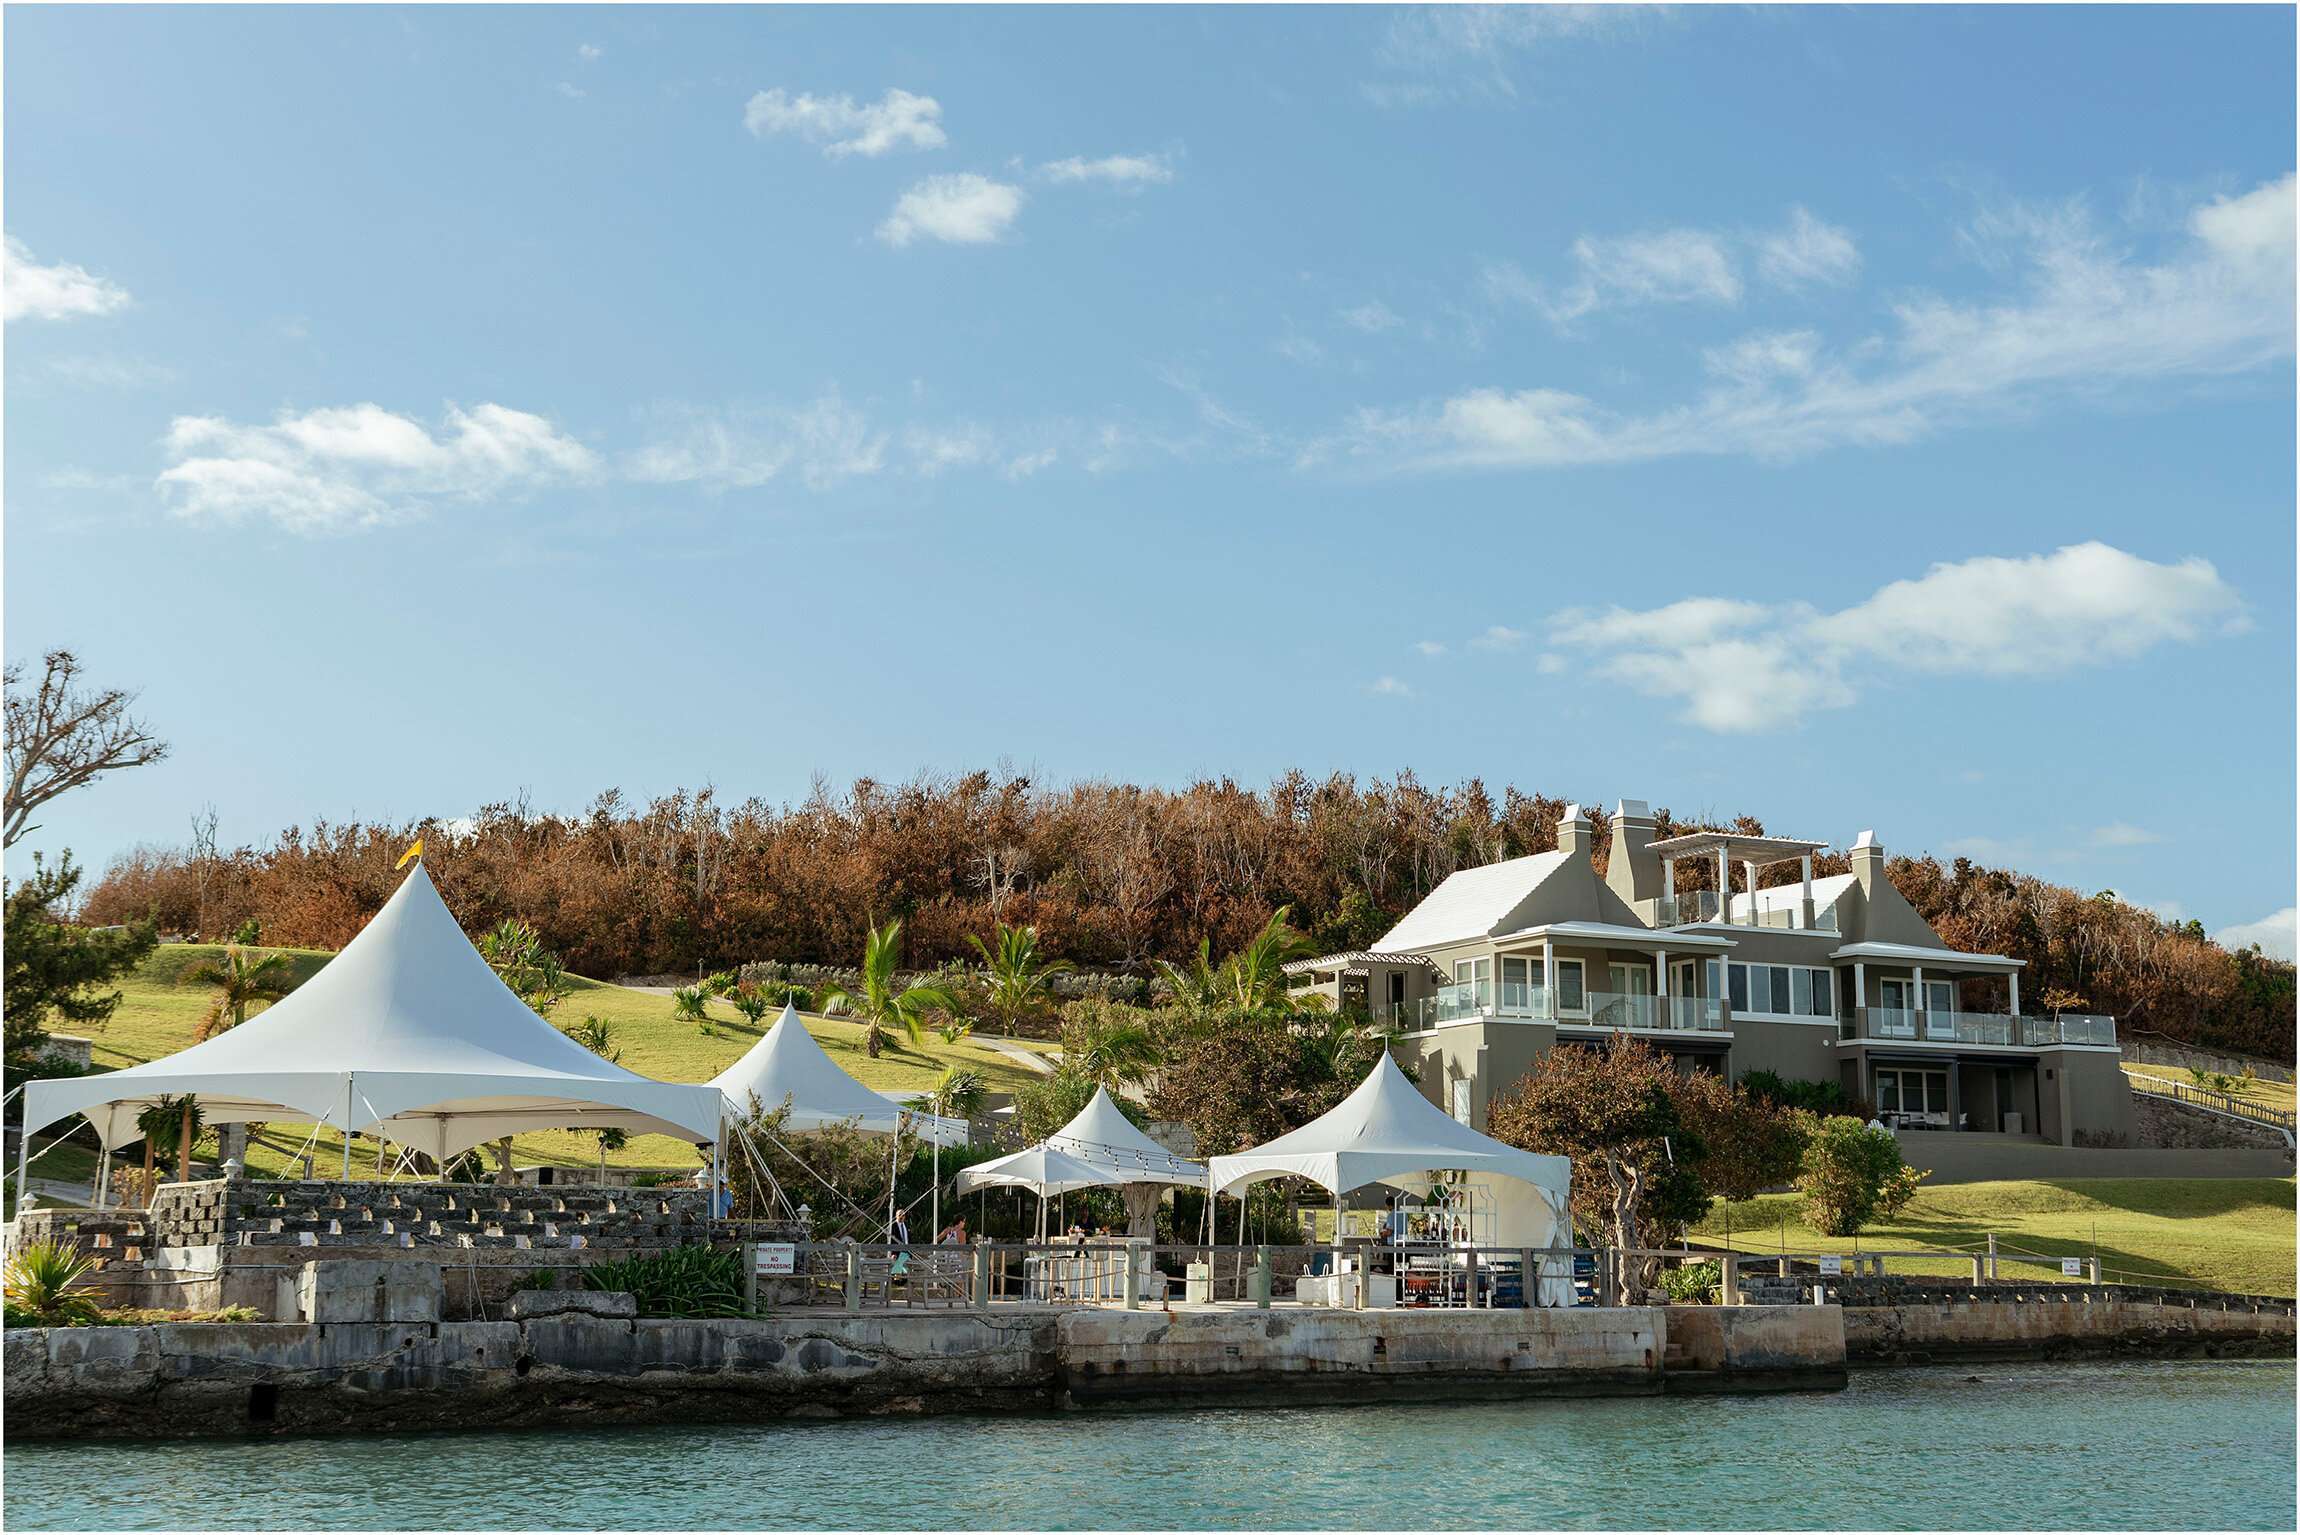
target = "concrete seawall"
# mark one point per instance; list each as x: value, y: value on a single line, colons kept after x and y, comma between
x: 575, y: 1367
x: 1977, y: 1332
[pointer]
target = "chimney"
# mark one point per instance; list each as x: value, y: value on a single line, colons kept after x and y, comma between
x: 1573, y: 832
x: 1632, y: 868
x: 1868, y: 863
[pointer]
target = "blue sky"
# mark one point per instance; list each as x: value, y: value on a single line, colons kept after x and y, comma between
x: 1854, y: 418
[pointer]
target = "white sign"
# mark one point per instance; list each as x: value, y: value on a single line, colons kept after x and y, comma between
x: 2073, y: 1267
x: 774, y: 1258
x: 1832, y: 1265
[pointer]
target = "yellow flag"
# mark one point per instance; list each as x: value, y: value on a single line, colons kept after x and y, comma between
x: 413, y: 852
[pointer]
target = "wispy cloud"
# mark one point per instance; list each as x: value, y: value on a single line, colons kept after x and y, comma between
x: 1499, y: 639
x: 1392, y: 688
x: 1807, y: 253
x: 571, y: 92
x: 2088, y: 320
x: 1128, y: 173
x: 1300, y: 348
x: 1666, y: 267
x: 105, y: 372
x: 961, y: 209
x: 587, y: 52
x: 2117, y: 834
x: 30, y: 291
x: 1429, y: 647
x: 824, y: 443
x: 1373, y: 317
x: 340, y: 470
x: 1752, y: 667
x: 897, y: 120
x: 1450, y: 53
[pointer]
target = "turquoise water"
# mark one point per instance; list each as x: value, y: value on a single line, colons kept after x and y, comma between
x: 2119, y: 1446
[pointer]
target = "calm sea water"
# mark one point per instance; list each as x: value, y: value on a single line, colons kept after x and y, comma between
x: 2151, y: 1446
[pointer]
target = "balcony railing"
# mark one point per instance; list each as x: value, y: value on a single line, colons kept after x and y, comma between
x: 1598, y: 1009
x: 1701, y: 906
x: 1984, y: 1028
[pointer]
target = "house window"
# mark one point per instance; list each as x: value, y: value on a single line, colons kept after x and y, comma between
x: 1902, y: 1091
x: 1461, y: 1100
x: 1570, y: 998
x: 1397, y: 988
x: 1783, y: 991
x: 1478, y: 974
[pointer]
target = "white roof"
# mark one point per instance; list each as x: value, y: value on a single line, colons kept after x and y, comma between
x: 1470, y: 904
x: 1100, y: 1136
x: 1387, y: 1129
x: 406, y: 1033
x: 1043, y: 1169
x: 787, y: 1063
x: 1917, y: 954
x: 1613, y: 935
x: 1786, y: 897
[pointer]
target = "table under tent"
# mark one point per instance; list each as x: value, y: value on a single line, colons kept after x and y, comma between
x: 1099, y: 1148
x: 406, y: 1035
x: 1457, y: 1193
x: 788, y: 1074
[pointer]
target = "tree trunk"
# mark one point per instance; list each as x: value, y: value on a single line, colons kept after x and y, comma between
x: 502, y: 1149
x: 151, y: 1166
x: 184, y: 1149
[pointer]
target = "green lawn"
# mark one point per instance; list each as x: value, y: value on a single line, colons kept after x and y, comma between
x: 2274, y: 1095
x: 157, y: 1017
x: 2234, y: 1234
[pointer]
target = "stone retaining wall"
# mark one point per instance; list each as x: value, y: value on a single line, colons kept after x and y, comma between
x: 1971, y: 1332
x: 1862, y: 1290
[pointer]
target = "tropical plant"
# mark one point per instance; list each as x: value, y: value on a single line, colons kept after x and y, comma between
x: 958, y: 1093
x: 40, y: 1281
x: 180, y: 1121
x: 1107, y: 1045
x: 1020, y: 984
x: 611, y: 1138
x: 242, y: 980
x: 955, y: 1030
x: 596, y: 1035
x: 677, y: 1282
x: 249, y: 933
x: 882, y: 1008
x: 720, y: 984
x: 1251, y: 979
x: 691, y: 1004
x: 515, y: 951
x: 1693, y: 1283
x: 751, y: 1001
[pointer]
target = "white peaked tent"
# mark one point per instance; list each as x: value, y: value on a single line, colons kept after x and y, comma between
x: 408, y: 1034
x: 1043, y: 1169
x: 1100, y: 1136
x: 1387, y: 1132
x: 787, y: 1064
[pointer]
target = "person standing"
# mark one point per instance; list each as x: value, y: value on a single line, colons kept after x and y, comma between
x: 899, y: 1232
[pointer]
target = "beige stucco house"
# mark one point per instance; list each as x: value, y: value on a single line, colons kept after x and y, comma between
x: 1820, y: 980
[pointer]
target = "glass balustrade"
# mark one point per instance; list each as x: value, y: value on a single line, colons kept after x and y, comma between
x: 1984, y: 1028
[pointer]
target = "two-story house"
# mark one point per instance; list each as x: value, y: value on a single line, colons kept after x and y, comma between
x: 1829, y: 980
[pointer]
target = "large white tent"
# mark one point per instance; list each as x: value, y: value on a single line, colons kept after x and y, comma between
x: 1101, y: 1136
x: 408, y: 1034
x: 787, y: 1065
x: 1386, y: 1132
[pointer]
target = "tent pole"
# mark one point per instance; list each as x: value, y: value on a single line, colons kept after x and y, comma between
x: 349, y: 1079
x: 103, y: 1177
x: 23, y: 1164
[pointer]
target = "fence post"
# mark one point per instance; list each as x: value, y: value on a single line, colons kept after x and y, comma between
x: 854, y: 1281
x: 1729, y: 1280
x: 1992, y: 1257
x: 2095, y: 1270
x: 1977, y: 1270
x: 750, y: 1277
x: 1133, y: 1277
x: 1528, y: 1283
x: 1262, y: 1278
x: 981, y: 1278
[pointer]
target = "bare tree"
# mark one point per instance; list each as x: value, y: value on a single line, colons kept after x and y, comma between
x: 62, y: 737
x: 204, y: 857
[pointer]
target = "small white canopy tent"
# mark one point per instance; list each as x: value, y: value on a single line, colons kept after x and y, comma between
x: 1044, y: 1169
x: 787, y: 1064
x: 1387, y: 1132
x: 408, y: 1034
x: 1100, y: 1136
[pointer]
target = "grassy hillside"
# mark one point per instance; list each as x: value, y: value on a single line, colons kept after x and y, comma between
x: 156, y: 1017
x: 2274, y: 1095
x: 2231, y: 1234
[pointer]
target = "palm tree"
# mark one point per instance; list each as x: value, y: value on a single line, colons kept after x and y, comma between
x: 242, y: 980
x: 693, y: 1004
x: 177, y: 1117
x: 1251, y: 979
x: 40, y: 1280
x: 879, y: 1005
x: 957, y: 1093
x: 596, y: 1035
x: 1108, y: 1052
x: 1198, y: 987
x: 1019, y: 984
x: 516, y: 953
x: 752, y: 1001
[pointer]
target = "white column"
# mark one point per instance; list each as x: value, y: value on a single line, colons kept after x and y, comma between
x: 1549, y: 974
x: 1661, y: 992
x: 1805, y: 900
x: 1860, y: 988
x: 2012, y: 980
x: 1917, y: 984
x: 1668, y: 884
x: 1724, y: 884
x: 1749, y: 883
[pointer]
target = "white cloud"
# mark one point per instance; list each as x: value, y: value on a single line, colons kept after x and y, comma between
x: 1023, y: 466
x: 2274, y: 933
x: 896, y: 120
x: 2088, y: 321
x: 1807, y: 253
x: 1391, y: 687
x: 571, y: 92
x: 1458, y: 52
x: 587, y: 52
x: 963, y: 209
x: 1672, y: 267
x: 2117, y: 834
x: 1550, y: 664
x: 1130, y: 173
x: 109, y: 372
x: 826, y: 442
x: 1300, y: 348
x: 1498, y: 638
x: 1752, y: 667
x: 1429, y: 647
x: 339, y: 470
x: 1373, y: 317
x: 30, y: 291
